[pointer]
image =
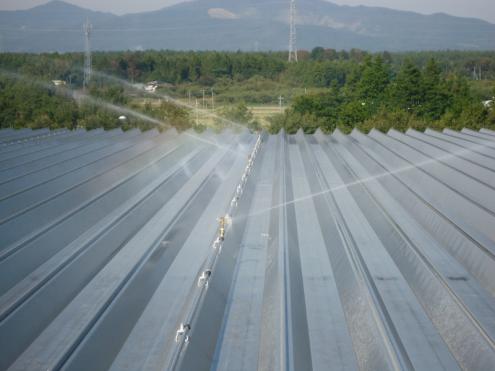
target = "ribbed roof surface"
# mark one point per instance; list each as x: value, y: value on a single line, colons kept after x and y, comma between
x: 359, y: 252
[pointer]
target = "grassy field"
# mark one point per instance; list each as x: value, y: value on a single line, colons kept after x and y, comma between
x: 262, y: 113
x: 208, y: 116
x: 201, y: 110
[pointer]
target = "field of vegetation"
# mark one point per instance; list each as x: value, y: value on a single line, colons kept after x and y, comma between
x: 327, y: 89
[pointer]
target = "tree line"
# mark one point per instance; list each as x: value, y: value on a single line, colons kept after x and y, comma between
x: 377, y: 97
x: 327, y: 88
x: 320, y: 67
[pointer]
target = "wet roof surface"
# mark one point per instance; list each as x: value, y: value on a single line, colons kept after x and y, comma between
x: 359, y: 252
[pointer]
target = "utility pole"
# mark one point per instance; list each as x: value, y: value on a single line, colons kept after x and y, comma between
x: 197, y: 113
x: 477, y: 72
x: 204, y: 102
x: 88, y: 28
x: 212, y: 100
x: 280, y: 102
x: 292, y: 32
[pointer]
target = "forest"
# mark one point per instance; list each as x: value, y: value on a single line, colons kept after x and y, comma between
x: 326, y: 88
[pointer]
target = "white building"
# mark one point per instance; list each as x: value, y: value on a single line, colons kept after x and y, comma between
x: 151, y: 86
x: 489, y: 103
x: 59, y: 82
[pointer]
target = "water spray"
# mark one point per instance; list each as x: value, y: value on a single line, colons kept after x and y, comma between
x: 370, y: 178
x: 207, y: 269
x: 170, y: 99
x: 81, y: 98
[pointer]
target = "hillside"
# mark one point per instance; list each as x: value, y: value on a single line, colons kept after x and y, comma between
x: 241, y: 24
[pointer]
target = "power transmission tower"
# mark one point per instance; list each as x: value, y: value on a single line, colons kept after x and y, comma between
x: 88, y: 28
x: 292, y: 32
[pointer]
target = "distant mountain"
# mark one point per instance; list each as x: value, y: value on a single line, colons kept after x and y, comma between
x: 241, y: 24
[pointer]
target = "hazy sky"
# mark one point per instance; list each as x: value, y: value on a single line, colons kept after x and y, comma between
x: 484, y: 9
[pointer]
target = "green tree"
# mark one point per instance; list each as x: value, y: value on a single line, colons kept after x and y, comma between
x: 241, y: 114
x: 317, y: 54
x: 436, y: 97
x: 407, y: 91
x: 324, y: 105
x: 352, y: 113
x: 374, y: 80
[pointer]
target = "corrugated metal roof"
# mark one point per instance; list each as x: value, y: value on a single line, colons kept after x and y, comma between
x: 359, y: 252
